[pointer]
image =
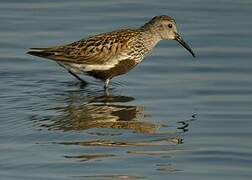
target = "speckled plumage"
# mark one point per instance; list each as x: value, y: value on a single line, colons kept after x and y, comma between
x: 107, y: 55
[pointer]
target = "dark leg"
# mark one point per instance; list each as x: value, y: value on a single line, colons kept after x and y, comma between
x: 75, y: 75
x: 106, y: 83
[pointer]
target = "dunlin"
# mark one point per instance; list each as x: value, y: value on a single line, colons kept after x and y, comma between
x: 107, y: 55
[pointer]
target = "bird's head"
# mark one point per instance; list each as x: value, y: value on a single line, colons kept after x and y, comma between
x: 164, y: 27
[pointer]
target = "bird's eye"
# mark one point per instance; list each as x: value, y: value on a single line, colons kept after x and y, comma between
x: 170, y: 25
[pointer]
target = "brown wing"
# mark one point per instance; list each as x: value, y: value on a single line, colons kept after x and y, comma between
x: 97, y: 49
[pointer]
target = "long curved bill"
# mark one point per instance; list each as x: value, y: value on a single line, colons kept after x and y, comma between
x: 184, y: 44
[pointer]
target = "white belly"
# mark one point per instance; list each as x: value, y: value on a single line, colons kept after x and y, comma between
x: 82, y: 68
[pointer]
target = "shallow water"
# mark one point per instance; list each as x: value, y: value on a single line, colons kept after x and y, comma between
x: 171, y: 117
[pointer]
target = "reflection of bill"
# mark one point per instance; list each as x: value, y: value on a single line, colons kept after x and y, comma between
x: 102, y: 112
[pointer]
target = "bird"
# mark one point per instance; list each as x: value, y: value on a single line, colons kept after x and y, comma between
x: 107, y: 55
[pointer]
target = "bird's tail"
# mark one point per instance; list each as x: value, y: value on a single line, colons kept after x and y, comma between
x: 54, y: 53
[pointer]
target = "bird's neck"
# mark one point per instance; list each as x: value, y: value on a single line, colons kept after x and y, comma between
x: 150, y: 39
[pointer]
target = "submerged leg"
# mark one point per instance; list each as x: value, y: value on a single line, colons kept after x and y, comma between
x: 75, y: 75
x: 106, y: 92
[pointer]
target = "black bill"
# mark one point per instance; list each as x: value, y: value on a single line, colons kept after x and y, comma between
x: 183, y: 43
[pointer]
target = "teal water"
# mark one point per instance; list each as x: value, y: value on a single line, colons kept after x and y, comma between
x: 171, y: 117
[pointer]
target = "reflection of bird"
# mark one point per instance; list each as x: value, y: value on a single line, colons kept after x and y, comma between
x: 107, y: 55
x: 101, y: 112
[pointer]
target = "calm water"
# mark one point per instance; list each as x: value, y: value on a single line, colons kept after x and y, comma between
x: 171, y: 117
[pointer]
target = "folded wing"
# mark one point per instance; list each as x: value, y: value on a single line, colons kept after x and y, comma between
x: 100, y: 49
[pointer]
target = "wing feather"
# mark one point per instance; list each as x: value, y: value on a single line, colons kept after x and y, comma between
x: 100, y: 49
